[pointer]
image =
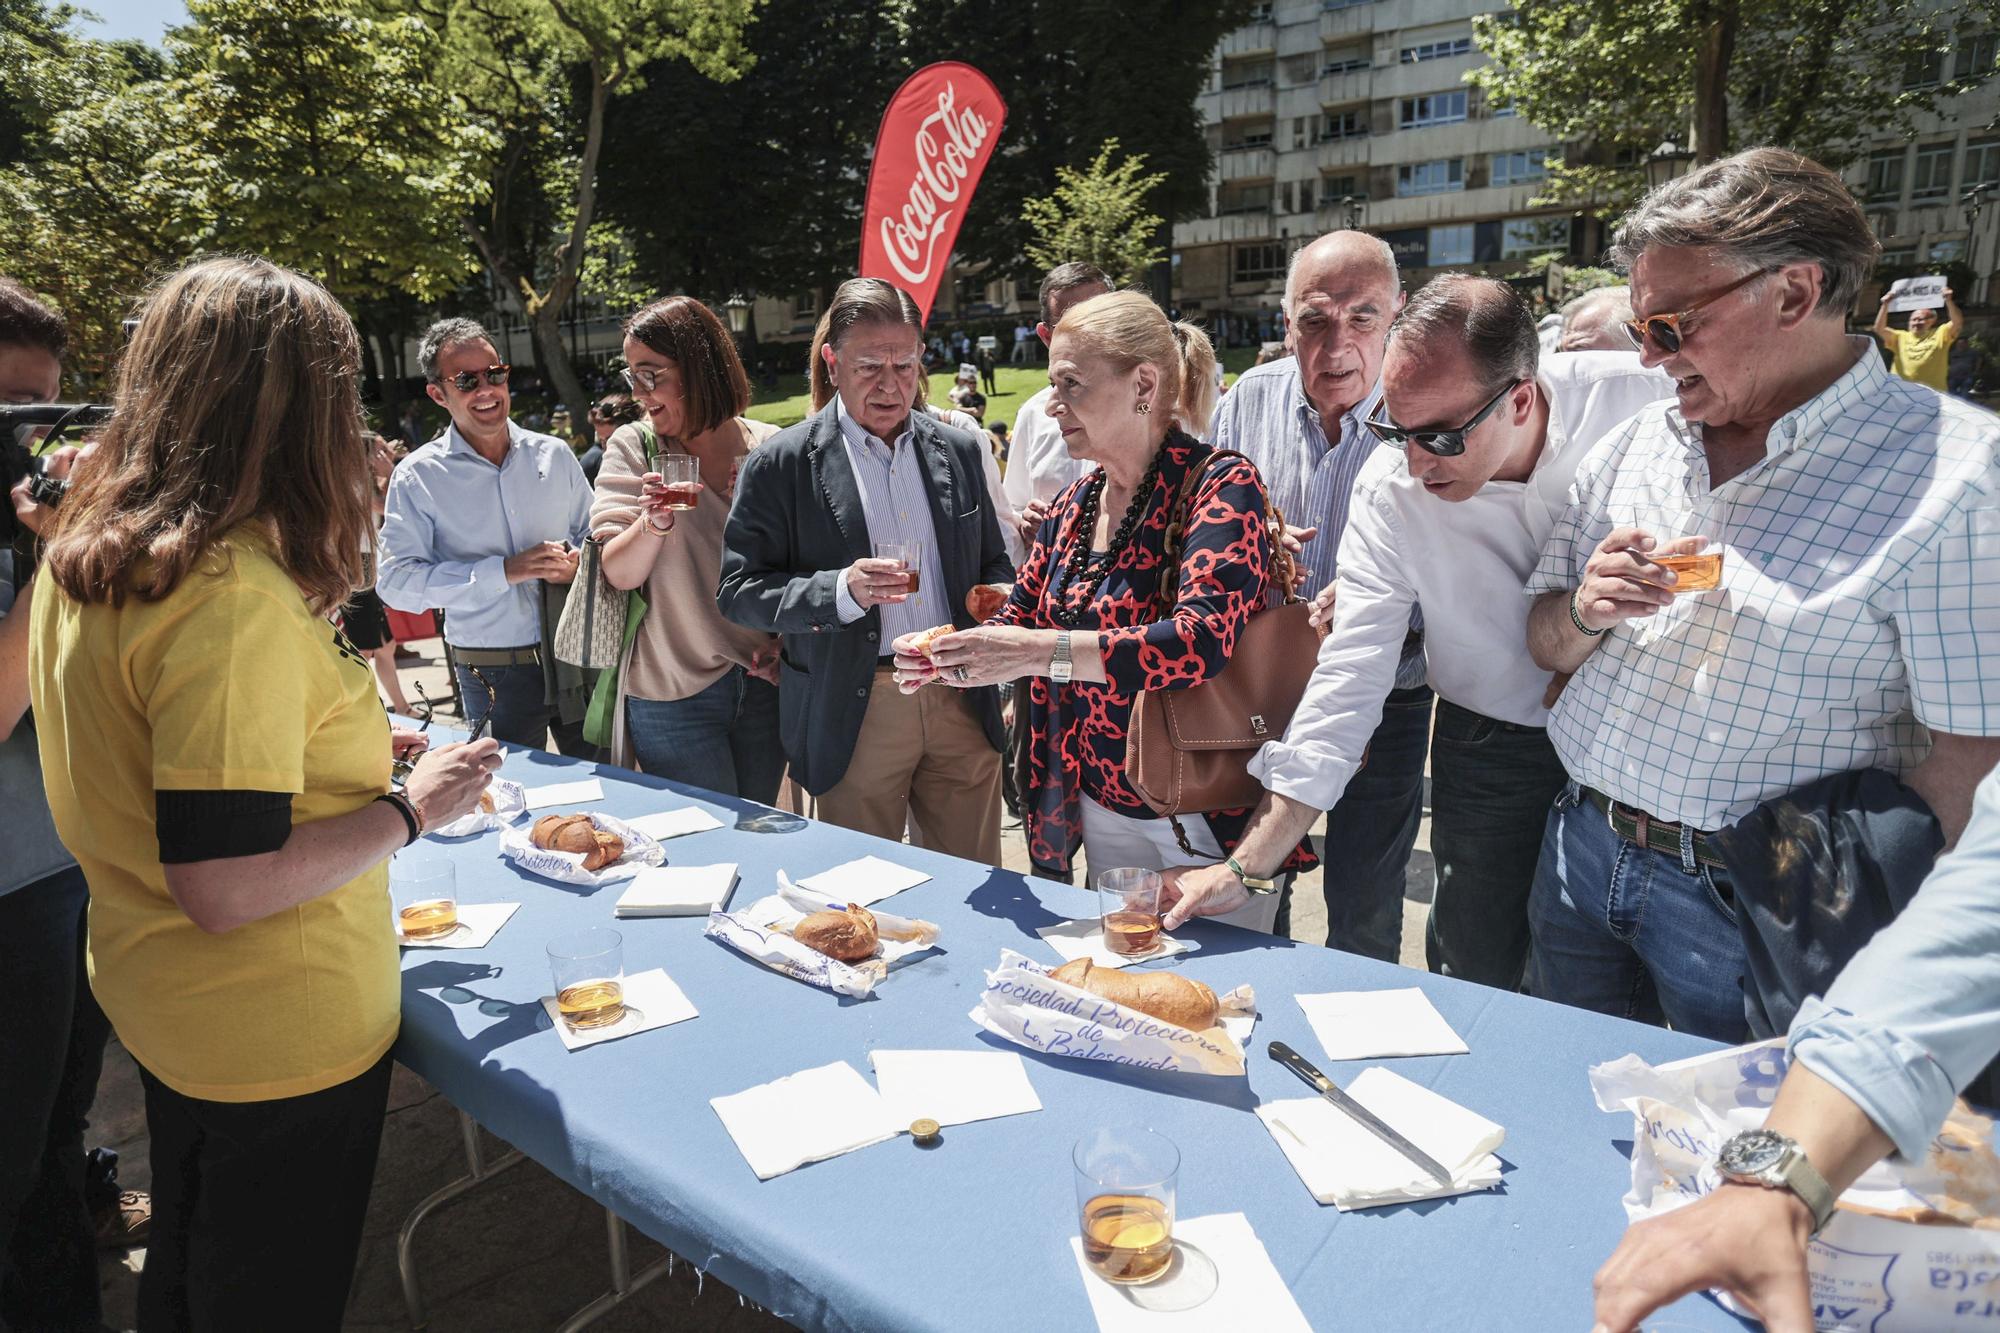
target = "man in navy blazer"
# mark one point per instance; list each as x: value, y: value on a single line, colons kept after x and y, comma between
x: 813, y: 505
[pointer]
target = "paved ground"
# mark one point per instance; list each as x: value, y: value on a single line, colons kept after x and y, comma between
x: 524, y: 1251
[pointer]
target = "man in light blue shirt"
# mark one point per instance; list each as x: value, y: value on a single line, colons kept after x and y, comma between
x: 1299, y: 420
x: 475, y: 524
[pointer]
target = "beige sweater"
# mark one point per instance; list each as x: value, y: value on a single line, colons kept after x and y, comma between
x: 684, y: 645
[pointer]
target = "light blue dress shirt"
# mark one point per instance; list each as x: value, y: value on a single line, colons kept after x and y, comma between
x: 1267, y: 418
x: 452, y: 519
x: 1916, y: 1014
x: 897, y: 505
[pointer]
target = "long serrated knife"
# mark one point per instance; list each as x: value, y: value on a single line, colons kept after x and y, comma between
x: 1355, y: 1111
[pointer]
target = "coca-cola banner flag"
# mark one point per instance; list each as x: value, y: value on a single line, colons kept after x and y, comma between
x: 936, y: 139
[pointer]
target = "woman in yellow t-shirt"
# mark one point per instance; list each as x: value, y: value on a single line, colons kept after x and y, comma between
x: 216, y: 757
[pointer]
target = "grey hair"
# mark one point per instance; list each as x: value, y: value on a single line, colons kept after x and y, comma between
x: 1065, y: 277
x: 1484, y: 316
x: 1763, y: 209
x: 1618, y: 298
x: 1387, y: 253
x: 448, y: 333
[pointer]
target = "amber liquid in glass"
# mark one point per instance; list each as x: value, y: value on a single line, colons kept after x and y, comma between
x: 1131, y: 932
x: 592, y: 1004
x: 911, y: 579
x: 1697, y: 573
x: 428, y: 920
x: 681, y: 494
x: 1127, y: 1237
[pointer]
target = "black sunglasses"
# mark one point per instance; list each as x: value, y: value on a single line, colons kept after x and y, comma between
x: 465, y: 381
x: 1443, y: 443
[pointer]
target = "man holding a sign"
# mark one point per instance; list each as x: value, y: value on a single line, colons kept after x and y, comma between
x: 1922, y: 351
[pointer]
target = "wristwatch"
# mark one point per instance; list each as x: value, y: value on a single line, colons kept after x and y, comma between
x: 1060, y: 665
x: 1766, y: 1157
x: 1250, y: 881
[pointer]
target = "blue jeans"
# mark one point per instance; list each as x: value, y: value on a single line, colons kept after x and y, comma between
x: 1491, y: 786
x: 521, y: 713
x: 1370, y: 833
x: 724, y: 739
x: 1633, y: 932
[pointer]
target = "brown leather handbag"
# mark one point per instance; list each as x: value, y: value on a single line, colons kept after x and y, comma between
x: 1187, y: 751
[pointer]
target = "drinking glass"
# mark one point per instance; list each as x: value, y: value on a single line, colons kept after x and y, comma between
x: 1125, y: 1182
x: 1128, y: 901
x: 423, y: 884
x: 589, y: 971
x: 911, y: 556
x: 680, y: 475
x: 1696, y: 544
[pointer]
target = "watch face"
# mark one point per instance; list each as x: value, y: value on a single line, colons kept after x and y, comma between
x: 1752, y: 1153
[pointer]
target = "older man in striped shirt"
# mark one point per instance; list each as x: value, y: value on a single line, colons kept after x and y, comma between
x: 1300, y: 420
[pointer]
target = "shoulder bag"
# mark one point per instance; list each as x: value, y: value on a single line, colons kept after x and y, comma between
x: 597, y: 620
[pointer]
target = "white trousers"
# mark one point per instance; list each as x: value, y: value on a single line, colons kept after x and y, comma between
x: 1111, y: 840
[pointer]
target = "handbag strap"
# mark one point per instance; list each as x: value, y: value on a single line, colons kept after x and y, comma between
x: 1282, y: 569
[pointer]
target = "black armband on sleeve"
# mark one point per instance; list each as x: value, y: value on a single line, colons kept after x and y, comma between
x: 212, y: 825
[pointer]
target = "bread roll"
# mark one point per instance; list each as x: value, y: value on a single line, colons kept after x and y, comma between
x: 486, y: 801
x: 576, y: 833
x: 984, y: 600
x: 1163, y: 995
x: 847, y: 935
x: 925, y: 638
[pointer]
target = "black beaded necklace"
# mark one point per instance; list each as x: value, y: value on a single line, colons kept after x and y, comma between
x: 1068, y: 611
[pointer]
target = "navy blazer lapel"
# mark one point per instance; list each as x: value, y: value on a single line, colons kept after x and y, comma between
x: 835, y: 476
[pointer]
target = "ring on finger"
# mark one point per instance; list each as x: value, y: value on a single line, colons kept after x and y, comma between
x: 960, y: 674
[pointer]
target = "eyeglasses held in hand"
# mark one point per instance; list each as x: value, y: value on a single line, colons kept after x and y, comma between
x: 465, y: 381
x: 1665, y: 330
x: 1443, y: 443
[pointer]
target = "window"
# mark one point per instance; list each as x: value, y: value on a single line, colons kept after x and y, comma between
x: 1433, y: 109
x: 1343, y: 125
x: 1255, y: 136
x: 1343, y: 4
x: 1259, y: 263
x: 1258, y: 14
x: 1885, y: 174
x: 1451, y: 245
x: 1982, y: 162
x: 1947, y: 252
x: 1523, y: 237
x: 1351, y: 65
x: 1301, y: 135
x: 1247, y: 75
x: 1441, y: 176
x: 1976, y: 56
x: 805, y: 304
x: 1925, y: 70
x: 1904, y: 258
x: 1423, y: 51
x: 1299, y: 69
x: 1335, y: 188
x: 1932, y: 179
x: 1252, y: 199
x: 1517, y: 168
x: 1502, y: 110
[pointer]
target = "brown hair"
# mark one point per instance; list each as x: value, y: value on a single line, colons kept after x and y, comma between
x: 860, y: 301
x: 687, y: 333
x: 236, y: 402
x: 1127, y: 328
x: 27, y: 319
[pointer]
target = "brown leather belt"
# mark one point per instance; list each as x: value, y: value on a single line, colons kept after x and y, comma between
x: 1655, y: 835
x: 498, y: 657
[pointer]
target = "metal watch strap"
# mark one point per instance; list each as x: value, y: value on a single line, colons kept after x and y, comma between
x: 1060, y: 664
x: 1250, y: 881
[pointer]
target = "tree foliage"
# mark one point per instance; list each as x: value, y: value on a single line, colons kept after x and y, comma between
x: 1614, y: 80
x: 1097, y: 215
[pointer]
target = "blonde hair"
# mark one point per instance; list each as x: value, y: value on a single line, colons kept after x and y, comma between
x: 237, y: 401
x: 1127, y: 329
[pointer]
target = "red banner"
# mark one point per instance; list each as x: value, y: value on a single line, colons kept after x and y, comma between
x: 935, y: 141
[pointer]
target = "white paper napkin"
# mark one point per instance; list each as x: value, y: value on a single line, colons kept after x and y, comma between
x: 1378, y: 1024
x: 1344, y: 1165
x: 1085, y: 939
x: 805, y: 1117
x: 677, y: 890
x: 953, y: 1087
x: 868, y: 880
x: 1248, y: 1292
x: 565, y: 793
x: 652, y: 1000
x: 478, y: 923
x: 673, y: 823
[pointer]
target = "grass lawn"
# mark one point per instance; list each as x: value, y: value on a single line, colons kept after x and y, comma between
x: 1016, y: 385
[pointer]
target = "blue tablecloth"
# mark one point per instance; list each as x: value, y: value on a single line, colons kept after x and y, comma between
x: 975, y: 1234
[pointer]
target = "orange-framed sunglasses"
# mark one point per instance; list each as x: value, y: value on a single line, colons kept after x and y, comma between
x: 1665, y: 330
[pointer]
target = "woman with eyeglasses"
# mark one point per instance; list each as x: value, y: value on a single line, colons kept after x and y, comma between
x: 217, y: 759
x: 697, y: 695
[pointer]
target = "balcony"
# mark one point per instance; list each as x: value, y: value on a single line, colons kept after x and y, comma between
x: 1241, y: 103
x: 1247, y: 163
x: 1252, y: 39
x: 1338, y: 154
x: 1351, y: 87
x: 1349, y: 21
x: 1230, y: 227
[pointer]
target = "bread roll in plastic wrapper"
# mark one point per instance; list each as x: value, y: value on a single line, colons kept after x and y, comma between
x: 567, y: 867
x: 762, y: 931
x: 510, y: 802
x: 1030, y: 1008
x: 1912, y: 1246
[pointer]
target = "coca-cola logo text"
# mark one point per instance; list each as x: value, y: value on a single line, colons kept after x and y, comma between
x: 947, y: 144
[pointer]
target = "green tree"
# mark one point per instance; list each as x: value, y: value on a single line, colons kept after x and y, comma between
x: 539, y: 75
x: 1097, y: 215
x: 1614, y: 80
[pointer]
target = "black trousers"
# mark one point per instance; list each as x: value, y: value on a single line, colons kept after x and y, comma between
x: 52, y: 1037
x: 258, y: 1206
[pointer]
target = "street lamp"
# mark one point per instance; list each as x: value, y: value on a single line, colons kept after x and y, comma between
x: 1973, y: 202
x: 1668, y: 162
x: 1350, y: 210
x: 738, y: 311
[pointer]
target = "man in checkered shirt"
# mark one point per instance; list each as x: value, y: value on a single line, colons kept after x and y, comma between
x: 1857, y: 621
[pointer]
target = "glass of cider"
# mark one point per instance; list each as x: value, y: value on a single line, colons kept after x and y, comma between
x: 423, y: 884
x: 1128, y: 901
x: 1125, y: 1182
x: 589, y: 972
